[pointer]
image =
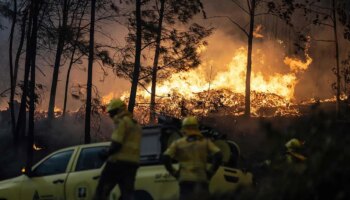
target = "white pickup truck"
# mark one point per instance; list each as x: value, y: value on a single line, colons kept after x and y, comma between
x: 72, y: 173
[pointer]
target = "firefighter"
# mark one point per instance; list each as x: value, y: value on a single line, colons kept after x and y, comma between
x: 294, y: 159
x: 123, y: 155
x: 192, y: 151
x: 293, y: 153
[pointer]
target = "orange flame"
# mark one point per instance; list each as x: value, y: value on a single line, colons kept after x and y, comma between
x: 257, y: 32
x: 298, y: 65
x: 233, y: 79
x: 195, y: 92
x: 36, y: 147
x: 107, y: 98
x: 201, y: 49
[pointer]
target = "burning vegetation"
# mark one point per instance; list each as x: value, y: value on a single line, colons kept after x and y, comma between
x: 199, y: 92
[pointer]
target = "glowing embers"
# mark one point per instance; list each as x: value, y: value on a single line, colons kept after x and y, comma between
x: 36, y: 147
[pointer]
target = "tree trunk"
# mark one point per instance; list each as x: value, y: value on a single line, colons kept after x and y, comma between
x: 12, y: 81
x: 67, y: 83
x: 33, y: 46
x: 18, y: 55
x: 59, y: 51
x: 249, y: 60
x: 20, y: 46
x: 89, y: 79
x: 22, y: 115
x: 155, y: 63
x: 136, y: 73
x: 337, y: 57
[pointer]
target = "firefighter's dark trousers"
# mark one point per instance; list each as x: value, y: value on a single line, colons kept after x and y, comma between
x: 119, y: 173
x: 193, y: 190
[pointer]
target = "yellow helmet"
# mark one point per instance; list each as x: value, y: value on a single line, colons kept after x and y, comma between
x: 294, y: 144
x: 190, y: 122
x: 116, y: 104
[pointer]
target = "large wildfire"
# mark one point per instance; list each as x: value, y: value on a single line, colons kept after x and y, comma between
x: 199, y: 92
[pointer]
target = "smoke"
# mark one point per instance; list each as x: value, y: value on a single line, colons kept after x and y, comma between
x: 277, y: 43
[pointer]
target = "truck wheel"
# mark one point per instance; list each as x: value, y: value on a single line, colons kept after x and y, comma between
x: 142, y: 195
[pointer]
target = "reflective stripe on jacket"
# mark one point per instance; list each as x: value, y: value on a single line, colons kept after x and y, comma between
x: 128, y: 134
x: 192, y: 157
x: 292, y: 157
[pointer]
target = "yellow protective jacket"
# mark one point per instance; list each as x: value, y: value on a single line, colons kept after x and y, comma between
x: 128, y: 134
x: 192, y: 157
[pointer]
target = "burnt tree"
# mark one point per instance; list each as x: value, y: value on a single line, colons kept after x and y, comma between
x: 89, y: 78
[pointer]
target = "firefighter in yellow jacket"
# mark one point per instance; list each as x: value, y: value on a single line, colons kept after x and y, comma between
x: 293, y: 154
x: 192, y: 151
x: 123, y: 155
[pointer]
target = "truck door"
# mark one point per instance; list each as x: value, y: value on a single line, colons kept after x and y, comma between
x: 47, y: 180
x: 152, y: 179
x: 82, y: 181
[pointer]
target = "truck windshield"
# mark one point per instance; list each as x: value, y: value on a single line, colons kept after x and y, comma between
x: 56, y: 164
x: 90, y: 158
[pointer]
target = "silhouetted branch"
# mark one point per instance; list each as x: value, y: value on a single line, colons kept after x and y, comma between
x: 232, y: 21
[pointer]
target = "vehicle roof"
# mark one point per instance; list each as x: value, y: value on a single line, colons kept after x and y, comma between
x: 88, y: 145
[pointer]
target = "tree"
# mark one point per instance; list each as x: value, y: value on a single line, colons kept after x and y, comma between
x: 75, y: 44
x: 169, y: 12
x: 35, y: 9
x: 78, y: 45
x: 165, y: 48
x: 22, y: 118
x: 12, y: 81
x: 156, y: 59
x: 89, y: 79
x: 13, y: 15
x: 26, y: 35
x: 137, y: 66
x: 253, y: 9
x: 331, y: 15
x: 62, y: 31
